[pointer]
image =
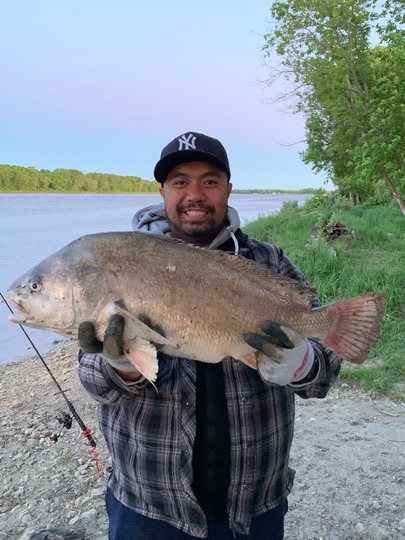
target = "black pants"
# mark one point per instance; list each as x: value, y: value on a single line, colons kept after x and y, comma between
x: 125, y: 524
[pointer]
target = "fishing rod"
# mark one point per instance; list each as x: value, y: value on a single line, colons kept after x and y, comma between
x: 64, y: 418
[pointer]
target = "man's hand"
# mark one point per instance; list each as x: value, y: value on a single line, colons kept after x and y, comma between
x: 111, y: 348
x: 284, y: 356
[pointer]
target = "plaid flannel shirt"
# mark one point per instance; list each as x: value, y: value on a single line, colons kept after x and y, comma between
x: 150, y: 434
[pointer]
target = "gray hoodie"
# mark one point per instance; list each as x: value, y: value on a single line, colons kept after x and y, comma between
x: 152, y: 219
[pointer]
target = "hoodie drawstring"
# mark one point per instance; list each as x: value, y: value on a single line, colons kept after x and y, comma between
x: 235, y: 241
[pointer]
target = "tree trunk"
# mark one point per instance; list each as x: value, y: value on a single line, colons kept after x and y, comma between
x: 397, y: 196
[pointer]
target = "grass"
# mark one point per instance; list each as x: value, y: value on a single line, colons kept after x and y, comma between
x: 370, y: 258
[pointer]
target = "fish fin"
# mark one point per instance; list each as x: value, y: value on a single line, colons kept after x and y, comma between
x: 357, y: 326
x: 249, y: 359
x: 134, y: 326
x: 143, y: 356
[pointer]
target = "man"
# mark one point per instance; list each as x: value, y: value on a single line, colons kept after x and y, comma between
x: 207, y: 453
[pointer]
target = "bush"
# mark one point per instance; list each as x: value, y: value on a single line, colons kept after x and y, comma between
x: 323, y: 199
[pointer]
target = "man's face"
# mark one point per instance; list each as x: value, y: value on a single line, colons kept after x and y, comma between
x: 196, y: 200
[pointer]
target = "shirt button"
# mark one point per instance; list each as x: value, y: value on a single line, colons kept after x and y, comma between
x: 249, y: 445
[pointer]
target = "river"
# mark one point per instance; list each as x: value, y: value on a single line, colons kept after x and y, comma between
x: 35, y: 225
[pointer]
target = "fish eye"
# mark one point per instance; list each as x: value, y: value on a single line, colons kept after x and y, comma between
x: 35, y: 285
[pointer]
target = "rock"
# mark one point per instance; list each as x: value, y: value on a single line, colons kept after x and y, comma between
x: 59, y: 533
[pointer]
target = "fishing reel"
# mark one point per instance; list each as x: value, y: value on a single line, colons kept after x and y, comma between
x: 66, y: 420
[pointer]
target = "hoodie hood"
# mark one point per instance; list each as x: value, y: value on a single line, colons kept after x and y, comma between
x: 152, y: 219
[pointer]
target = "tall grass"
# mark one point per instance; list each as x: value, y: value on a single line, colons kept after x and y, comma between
x: 370, y: 258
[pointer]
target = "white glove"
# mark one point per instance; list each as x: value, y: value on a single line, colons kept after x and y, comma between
x: 283, y: 366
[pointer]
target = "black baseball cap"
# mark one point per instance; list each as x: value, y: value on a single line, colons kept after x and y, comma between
x: 191, y: 146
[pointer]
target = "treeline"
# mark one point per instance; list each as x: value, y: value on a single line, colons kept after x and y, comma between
x: 303, y: 191
x: 14, y: 178
x: 29, y: 179
x: 344, y: 63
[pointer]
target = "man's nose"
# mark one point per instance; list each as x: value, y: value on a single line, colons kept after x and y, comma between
x: 195, y: 193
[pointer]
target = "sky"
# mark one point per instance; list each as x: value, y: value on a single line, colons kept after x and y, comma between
x: 103, y: 86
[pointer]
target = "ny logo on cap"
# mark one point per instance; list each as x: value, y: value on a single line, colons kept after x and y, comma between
x: 187, y: 142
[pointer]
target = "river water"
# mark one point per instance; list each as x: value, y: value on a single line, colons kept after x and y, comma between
x: 32, y: 226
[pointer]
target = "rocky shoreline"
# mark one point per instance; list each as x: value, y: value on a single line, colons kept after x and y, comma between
x: 45, y: 483
x: 348, y: 453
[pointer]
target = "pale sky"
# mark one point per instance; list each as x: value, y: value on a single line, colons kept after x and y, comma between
x: 103, y: 86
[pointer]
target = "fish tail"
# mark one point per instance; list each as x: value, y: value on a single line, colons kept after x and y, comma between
x: 357, y: 326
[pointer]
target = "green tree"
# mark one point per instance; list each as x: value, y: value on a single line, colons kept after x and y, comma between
x: 354, y: 123
x: 6, y: 173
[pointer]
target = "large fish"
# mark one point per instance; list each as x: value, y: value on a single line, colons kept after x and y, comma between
x: 202, y: 301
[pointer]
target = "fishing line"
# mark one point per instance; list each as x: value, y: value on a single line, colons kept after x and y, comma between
x: 65, y: 419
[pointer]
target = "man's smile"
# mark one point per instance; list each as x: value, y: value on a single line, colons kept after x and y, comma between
x: 196, y: 212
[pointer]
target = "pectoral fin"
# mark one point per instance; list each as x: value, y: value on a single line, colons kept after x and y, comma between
x: 137, y: 327
x: 143, y: 355
x: 134, y: 326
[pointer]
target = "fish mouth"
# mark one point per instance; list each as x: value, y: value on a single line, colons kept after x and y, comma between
x: 21, y: 315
